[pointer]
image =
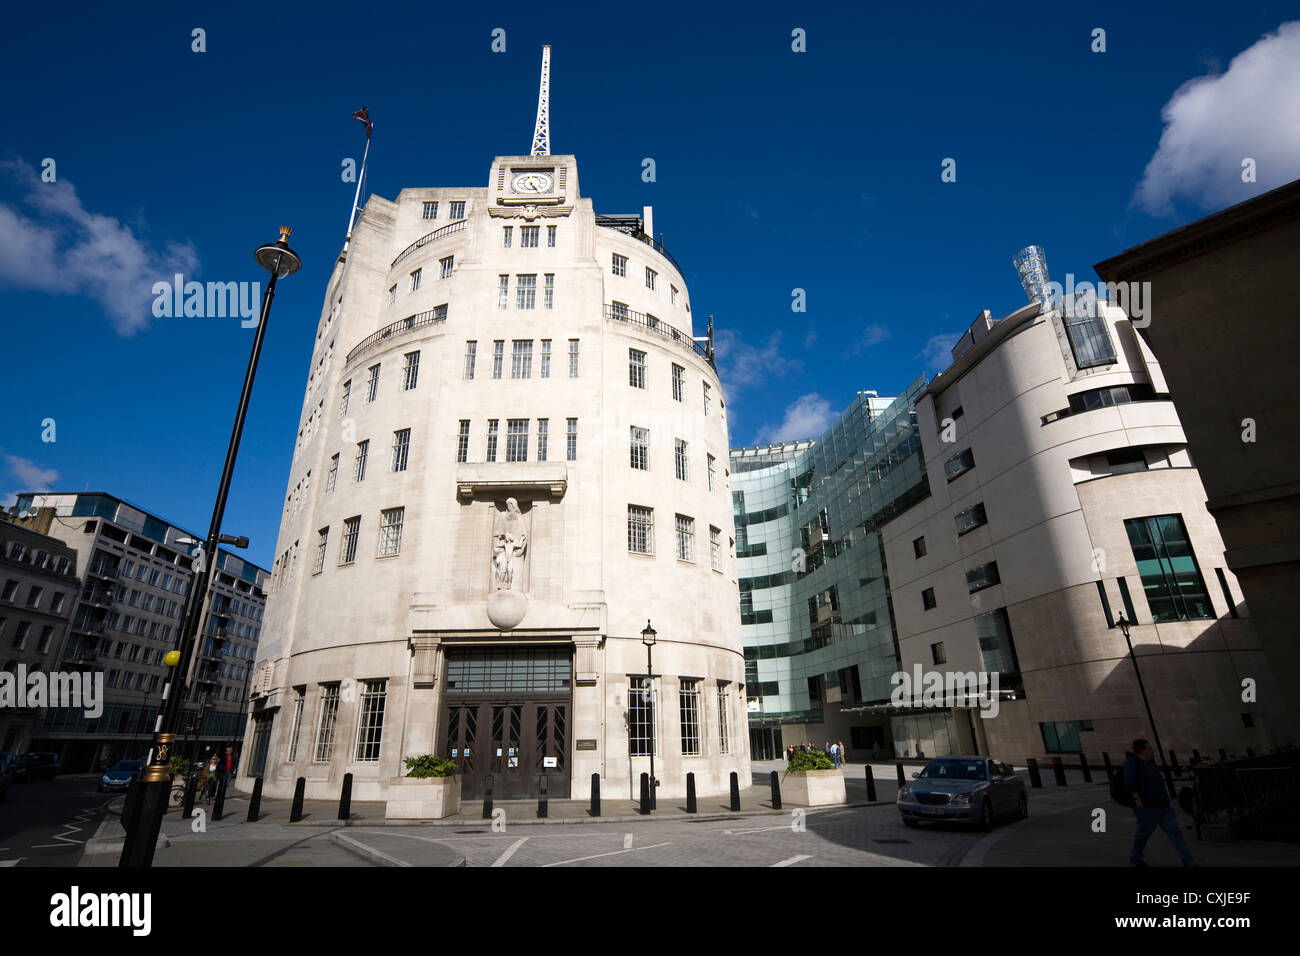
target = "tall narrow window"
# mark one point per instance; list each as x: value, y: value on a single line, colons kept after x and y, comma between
x: 333, y: 475
x: 573, y: 358
x: 724, y: 721
x: 359, y: 463
x: 410, y: 371
x: 390, y: 531
x: 462, y: 441
x: 498, y: 357
x: 329, y: 712
x: 348, y: 545
x: 401, y: 444
x: 343, y: 398
x: 713, y: 473
x: 1227, y: 594
x: 445, y: 267
x: 503, y: 292
x: 471, y: 354
x: 415, y: 279
x: 372, y: 384
x: 640, y: 529
x: 505, y: 233
x: 640, y: 717
x: 491, y: 440
x: 682, y: 456
x: 370, y: 719
x: 526, y: 292
x: 543, y: 426
x: 550, y: 236
x: 707, y: 397
x: 517, y: 439
x: 620, y: 265
x: 689, y: 704
x: 571, y: 440
x: 636, y: 368
x: 322, y: 540
x: 672, y: 294
x: 715, y: 548
x: 300, y: 696
x: 685, y: 538
x: 650, y: 277
x: 521, y: 358
x: 548, y: 292
x: 528, y: 236
x: 679, y: 383
x: 546, y: 358
x: 392, y: 294
x: 640, y: 448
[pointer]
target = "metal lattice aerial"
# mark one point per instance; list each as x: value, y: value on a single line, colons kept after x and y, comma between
x: 542, y: 132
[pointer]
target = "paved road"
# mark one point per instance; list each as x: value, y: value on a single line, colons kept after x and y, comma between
x: 47, y: 824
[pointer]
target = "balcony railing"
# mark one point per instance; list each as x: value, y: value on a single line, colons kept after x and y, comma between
x: 402, y: 325
x: 634, y: 227
x: 446, y: 230
x: 653, y: 324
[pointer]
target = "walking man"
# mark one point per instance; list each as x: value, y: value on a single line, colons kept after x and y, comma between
x: 1151, y: 804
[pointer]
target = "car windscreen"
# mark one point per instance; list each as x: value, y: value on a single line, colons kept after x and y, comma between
x: 955, y: 770
x: 128, y: 765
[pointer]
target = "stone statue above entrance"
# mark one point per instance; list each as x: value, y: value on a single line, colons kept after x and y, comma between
x: 508, y: 603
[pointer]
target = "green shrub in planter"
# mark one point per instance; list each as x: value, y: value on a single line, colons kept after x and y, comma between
x: 809, y: 761
x: 179, y: 766
x: 429, y: 765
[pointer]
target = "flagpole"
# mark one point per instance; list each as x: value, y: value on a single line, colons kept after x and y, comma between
x: 357, y: 198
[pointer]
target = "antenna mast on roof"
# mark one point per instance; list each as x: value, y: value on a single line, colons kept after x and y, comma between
x: 542, y: 131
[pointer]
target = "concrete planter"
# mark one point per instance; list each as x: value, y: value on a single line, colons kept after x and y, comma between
x: 422, y: 798
x: 813, y: 788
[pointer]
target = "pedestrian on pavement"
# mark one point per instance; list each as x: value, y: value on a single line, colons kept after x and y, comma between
x: 228, y: 765
x: 843, y: 755
x: 1151, y: 806
x: 835, y: 755
x: 210, y: 779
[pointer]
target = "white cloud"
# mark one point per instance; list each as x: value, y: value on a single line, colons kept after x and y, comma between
x: 938, y: 351
x: 72, y: 251
x: 873, y: 334
x: 1212, y: 123
x: 741, y: 365
x: 808, y: 417
x: 30, y: 477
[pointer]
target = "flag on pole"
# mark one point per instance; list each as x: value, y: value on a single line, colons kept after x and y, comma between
x: 363, y: 114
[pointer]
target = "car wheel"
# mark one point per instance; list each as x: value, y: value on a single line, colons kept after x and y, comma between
x: 909, y: 822
x: 1022, y: 808
x: 986, y: 816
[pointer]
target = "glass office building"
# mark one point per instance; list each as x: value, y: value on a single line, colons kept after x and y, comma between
x: 820, y: 640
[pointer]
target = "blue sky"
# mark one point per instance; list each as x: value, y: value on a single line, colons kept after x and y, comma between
x: 776, y: 170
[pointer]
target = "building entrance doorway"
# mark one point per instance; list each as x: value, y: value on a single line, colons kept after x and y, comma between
x: 507, y: 714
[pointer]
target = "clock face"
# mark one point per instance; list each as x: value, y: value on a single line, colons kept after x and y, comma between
x: 532, y: 183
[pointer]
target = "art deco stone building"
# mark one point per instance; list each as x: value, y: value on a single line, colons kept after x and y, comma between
x: 512, y: 454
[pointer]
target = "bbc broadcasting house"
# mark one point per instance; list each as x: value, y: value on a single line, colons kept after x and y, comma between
x: 512, y: 455
x: 1007, y: 517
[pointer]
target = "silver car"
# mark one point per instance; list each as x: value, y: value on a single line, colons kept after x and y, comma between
x: 964, y: 790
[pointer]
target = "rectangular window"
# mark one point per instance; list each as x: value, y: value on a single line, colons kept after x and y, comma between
x: 430, y: 212
x: 707, y: 397
x: 392, y: 293
x: 491, y: 440
x: 359, y: 463
x: 401, y: 444
x: 724, y: 721
x: 1223, y: 583
x: 372, y: 384
x: 548, y: 292
x: 329, y: 713
x: 679, y: 383
x: 415, y: 279
x: 918, y: 546
x: 997, y: 649
x: 526, y: 292
x: 390, y: 531
x: 620, y: 265
x: 543, y: 424
x: 348, y: 546
x: 521, y: 358
x: 503, y: 292
x: 685, y: 538
x: 672, y: 292
x: 971, y: 518
x: 322, y: 540
x: 618, y: 310
x: 410, y: 370
x: 689, y: 705
x: 650, y: 277
x: 1089, y: 338
x: 715, y: 548
x: 985, y: 576
x: 682, y: 462
x: 640, y: 448
x: 937, y: 655
x: 546, y: 358
x: 516, y: 439
x: 34, y: 596
x: 640, y: 529
x: 370, y: 719
x: 1105, y: 604
x: 959, y: 464
x: 300, y: 697
x: 471, y: 354
x: 529, y: 236
x: 498, y: 357
x: 333, y: 475
x: 445, y: 267
x: 636, y: 368
x: 462, y: 441
x: 457, y: 209
x: 1171, y: 578
x: 343, y: 399
x: 571, y: 440
x: 640, y: 717
x: 713, y: 472
x: 927, y: 599
x: 550, y: 236
x: 573, y: 358
x: 506, y: 232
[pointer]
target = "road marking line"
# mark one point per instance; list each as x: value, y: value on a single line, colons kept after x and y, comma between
x: 627, y: 841
x: 11, y: 862
x: 501, y: 860
x: 370, y: 850
x: 794, y: 859
x: 595, y: 856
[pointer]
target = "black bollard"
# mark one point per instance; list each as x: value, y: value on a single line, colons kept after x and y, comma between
x: 735, y: 792
x: 1083, y: 765
x: 255, y: 801
x: 1110, y: 770
x: 541, y: 798
x: 1196, y: 757
x: 191, y: 787
x: 131, y: 805
x: 1035, y: 780
x: 645, y: 794
x: 345, y: 798
x: 1223, y: 754
x: 487, y: 798
x: 1173, y: 760
x: 1169, y: 782
x: 595, y: 794
x: 691, y: 805
x: 871, y: 786
x: 219, y: 805
x: 902, y: 780
x: 1058, y: 770
x: 299, y: 793
x: 776, y: 791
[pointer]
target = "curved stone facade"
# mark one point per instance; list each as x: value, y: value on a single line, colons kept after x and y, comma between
x: 462, y: 585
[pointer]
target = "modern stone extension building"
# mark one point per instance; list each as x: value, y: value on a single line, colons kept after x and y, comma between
x: 512, y: 455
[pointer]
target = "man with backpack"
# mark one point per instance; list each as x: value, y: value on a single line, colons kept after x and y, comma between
x: 1139, y: 785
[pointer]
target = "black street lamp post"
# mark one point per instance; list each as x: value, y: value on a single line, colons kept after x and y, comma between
x: 142, y: 830
x: 648, y: 639
x: 1124, y: 624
